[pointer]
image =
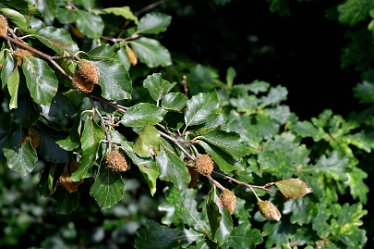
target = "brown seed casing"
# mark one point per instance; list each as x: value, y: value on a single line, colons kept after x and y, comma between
x: 3, y: 26
x: 88, y: 71
x: 269, y: 210
x: 116, y: 161
x: 204, y: 164
x: 228, y: 200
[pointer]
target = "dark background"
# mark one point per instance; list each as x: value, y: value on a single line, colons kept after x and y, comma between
x: 301, y: 51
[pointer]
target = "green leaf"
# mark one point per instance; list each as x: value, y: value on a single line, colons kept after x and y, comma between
x: 306, y: 129
x: 200, y: 108
x: 108, y: 188
x: 181, y: 207
x: 114, y: 80
x: 282, y: 156
x: 356, y: 183
x: 243, y: 125
x: 123, y: 59
x: 124, y: 11
x: 220, y: 219
x: 59, y: 40
x: 13, y: 84
x: 156, y: 236
x: 86, y: 4
x: 26, y: 114
x: 21, y: 159
x: 150, y: 172
x: 66, y: 15
x: 293, y: 188
x: 243, y: 236
x: 153, y: 23
x: 148, y: 142
x: 230, y: 76
x: 228, y: 142
x: 346, y: 226
x: 90, y: 140
x: 157, y: 86
x: 69, y: 143
x: 90, y: 24
x: 103, y: 52
x: 275, y: 96
x: 40, y: 79
x: 148, y: 168
x: 151, y: 52
x: 172, y: 168
x: 364, y: 92
x: 7, y: 69
x: 174, y: 101
x: 224, y: 161
x: 142, y: 114
x: 66, y: 202
x: 47, y: 8
x: 354, y: 11
x: 17, y: 18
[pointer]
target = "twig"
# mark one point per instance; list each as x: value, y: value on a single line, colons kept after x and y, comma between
x: 150, y: 7
x: 244, y: 183
x: 21, y: 44
x: 176, y: 142
x: 217, y: 184
x: 118, y: 107
x: 108, y: 138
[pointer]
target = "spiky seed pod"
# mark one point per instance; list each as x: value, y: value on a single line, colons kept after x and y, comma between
x: 269, y: 210
x: 228, y: 200
x: 88, y: 71
x: 20, y: 54
x: 131, y: 56
x: 204, y: 164
x: 66, y: 182
x: 194, y: 177
x: 3, y: 26
x: 116, y: 161
x: 35, y: 137
x: 82, y: 85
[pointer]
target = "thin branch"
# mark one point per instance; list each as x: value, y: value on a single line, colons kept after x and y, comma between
x: 118, y: 107
x: 217, y: 184
x: 176, y: 142
x: 102, y: 121
x: 23, y: 45
x: 150, y: 7
x: 244, y: 183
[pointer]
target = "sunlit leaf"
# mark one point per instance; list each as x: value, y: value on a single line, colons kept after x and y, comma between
x: 41, y: 80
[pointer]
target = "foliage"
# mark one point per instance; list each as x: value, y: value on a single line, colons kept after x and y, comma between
x: 60, y: 135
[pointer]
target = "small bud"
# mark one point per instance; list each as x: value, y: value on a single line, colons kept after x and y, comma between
x: 269, y: 211
x: 204, y: 164
x: 20, y: 54
x: 116, y: 161
x: 88, y: 71
x: 82, y: 85
x: 131, y: 56
x: 293, y: 188
x: 3, y: 26
x: 228, y: 200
